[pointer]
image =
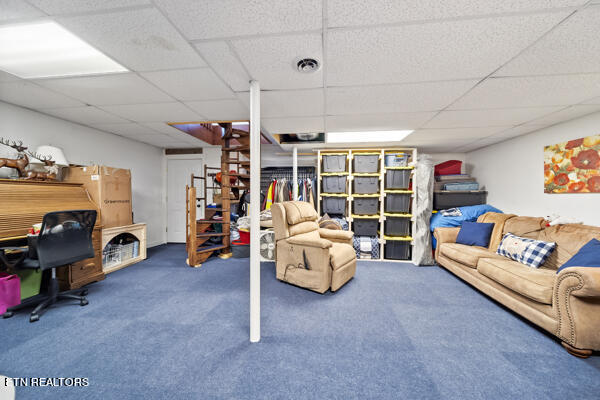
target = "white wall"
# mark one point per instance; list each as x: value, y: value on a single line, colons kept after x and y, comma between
x: 83, y: 145
x: 513, y: 173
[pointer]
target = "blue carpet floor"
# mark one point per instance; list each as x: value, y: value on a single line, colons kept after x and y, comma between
x: 162, y: 330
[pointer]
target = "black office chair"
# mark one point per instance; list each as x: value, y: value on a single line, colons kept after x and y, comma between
x: 65, y: 237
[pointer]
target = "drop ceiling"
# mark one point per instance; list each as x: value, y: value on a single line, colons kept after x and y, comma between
x: 463, y: 74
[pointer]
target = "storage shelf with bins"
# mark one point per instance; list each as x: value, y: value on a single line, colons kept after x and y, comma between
x: 377, y: 199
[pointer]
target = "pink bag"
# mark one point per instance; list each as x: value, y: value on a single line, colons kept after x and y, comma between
x: 10, y: 291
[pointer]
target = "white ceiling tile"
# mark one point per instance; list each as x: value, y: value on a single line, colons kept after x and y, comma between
x: 143, y: 40
x: 395, y: 98
x: 221, y: 110
x: 190, y: 84
x: 565, y: 114
x: 463, y: 49
x: 85, y: 115
x: 531, y: 91
x: 221, y: 58
x: 595, y: 100
x: 442, y: 136
x: 293, y: 125
x: 129, y: 129
x: 572, y: 47
x: 29, y: 95
x: 154, y: 112
x: 207, y: 19
x: 499, y: 137
x: 166, y: 129
x: 53, y: 7
x: 482, y: 118
x: 272, y: 60
x: 375, y: 12
x: 289, y: 103
x: 17, y: 9
x: 6, y: 77
x: 108, y: 89
x: 373, y: 122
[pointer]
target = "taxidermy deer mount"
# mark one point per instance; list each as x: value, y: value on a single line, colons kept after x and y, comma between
x: 19, y: 163
x: 51, y: 169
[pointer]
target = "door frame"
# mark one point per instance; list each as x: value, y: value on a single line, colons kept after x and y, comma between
x: 198, y: 157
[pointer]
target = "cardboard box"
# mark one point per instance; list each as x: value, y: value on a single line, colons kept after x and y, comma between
x: 110, y: 189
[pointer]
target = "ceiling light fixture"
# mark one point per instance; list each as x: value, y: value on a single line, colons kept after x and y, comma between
x: 307, y: 65
x: 367, y: 136
x: 46, y: 49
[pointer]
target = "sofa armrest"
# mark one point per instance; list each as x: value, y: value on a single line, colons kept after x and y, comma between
x: 444, y: 235
x: 309, y: 242
x: 336, y: 235
x: 576, y: 302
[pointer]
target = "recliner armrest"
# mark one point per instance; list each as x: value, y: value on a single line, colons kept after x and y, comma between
x: 309, y: 242
x: 335, y: 234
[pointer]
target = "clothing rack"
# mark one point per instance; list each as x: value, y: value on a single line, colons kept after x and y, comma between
x: 270, y: 173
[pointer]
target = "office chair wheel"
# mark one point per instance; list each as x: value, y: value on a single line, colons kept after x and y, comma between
x: 34, y: 318
x: 84, y: 292
x: 8, y: 314
x: 83, y: 302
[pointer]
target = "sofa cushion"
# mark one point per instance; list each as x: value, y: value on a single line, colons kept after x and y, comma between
x: 569, y: 239
x: 536, y: 284
x: 341, y: 254
x: 299, y: 211
x: 303, y: 227
x: 530, y: 252
x: 467, y: 255
x: 475, y: 233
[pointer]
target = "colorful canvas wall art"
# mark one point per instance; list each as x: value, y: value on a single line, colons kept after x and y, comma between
x: 573, y: 166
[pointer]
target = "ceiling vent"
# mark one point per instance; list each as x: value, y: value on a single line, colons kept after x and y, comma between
x: 307, y: 65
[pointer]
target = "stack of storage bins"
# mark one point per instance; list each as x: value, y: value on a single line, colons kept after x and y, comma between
x: 366, y: 188
x: 398, y: 206
x: 334, y: 184
x: 453, y: 189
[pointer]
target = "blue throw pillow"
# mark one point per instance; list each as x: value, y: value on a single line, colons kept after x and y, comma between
x: 475, y: 233
x: 527, y: 251
x: 587, y: 256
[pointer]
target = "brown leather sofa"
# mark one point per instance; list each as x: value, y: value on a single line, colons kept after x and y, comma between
x: 566, y: 304
x: 307, y: 256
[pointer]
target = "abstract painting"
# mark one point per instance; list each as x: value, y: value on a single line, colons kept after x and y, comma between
x: 573, y: 166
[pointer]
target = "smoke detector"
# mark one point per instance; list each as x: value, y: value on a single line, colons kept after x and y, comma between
x: 307, y: 65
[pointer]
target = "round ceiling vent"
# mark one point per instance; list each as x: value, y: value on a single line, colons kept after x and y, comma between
x: 307, y: 65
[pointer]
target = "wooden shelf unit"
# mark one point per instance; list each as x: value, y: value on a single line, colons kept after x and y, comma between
x: 137, y: 230
x: 350, y: 153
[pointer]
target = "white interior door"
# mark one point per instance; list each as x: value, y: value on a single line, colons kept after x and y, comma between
x: 178, y: 175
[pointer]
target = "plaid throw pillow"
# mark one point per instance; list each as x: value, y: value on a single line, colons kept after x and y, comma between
x: 526, y: 251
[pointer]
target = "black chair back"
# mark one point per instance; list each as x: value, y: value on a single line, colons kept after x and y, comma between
x: 65, y: 237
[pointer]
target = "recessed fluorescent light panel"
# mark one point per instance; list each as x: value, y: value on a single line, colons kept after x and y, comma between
x: 46, y: 49
x: 369, y: 136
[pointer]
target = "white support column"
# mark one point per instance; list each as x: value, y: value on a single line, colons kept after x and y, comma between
x: 254, y: 211
x: 295, y: 173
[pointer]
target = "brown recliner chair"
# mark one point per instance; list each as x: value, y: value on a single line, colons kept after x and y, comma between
x: 307, y: 256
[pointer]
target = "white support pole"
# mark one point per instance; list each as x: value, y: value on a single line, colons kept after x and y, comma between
x: 295, y: 173
x: 254, y: 211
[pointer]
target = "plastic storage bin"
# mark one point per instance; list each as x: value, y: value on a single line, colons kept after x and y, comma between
x: 334, y: 184
x: 397, y: 226
x: 334, y: 163
x: 444, y: 200
x: 397, y: 202
x: 396, y: 160
x: 366, y: 184
x: 366, y: 163
x: 365, y: 205
x: 397, y: 178
x: 334, y: 205
x: 450, y: 167
x: 397, y: 249
x: 365, y: 226
x: 461, y: 186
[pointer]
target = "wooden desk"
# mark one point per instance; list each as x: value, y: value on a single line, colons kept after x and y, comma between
x: 24, y: 203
